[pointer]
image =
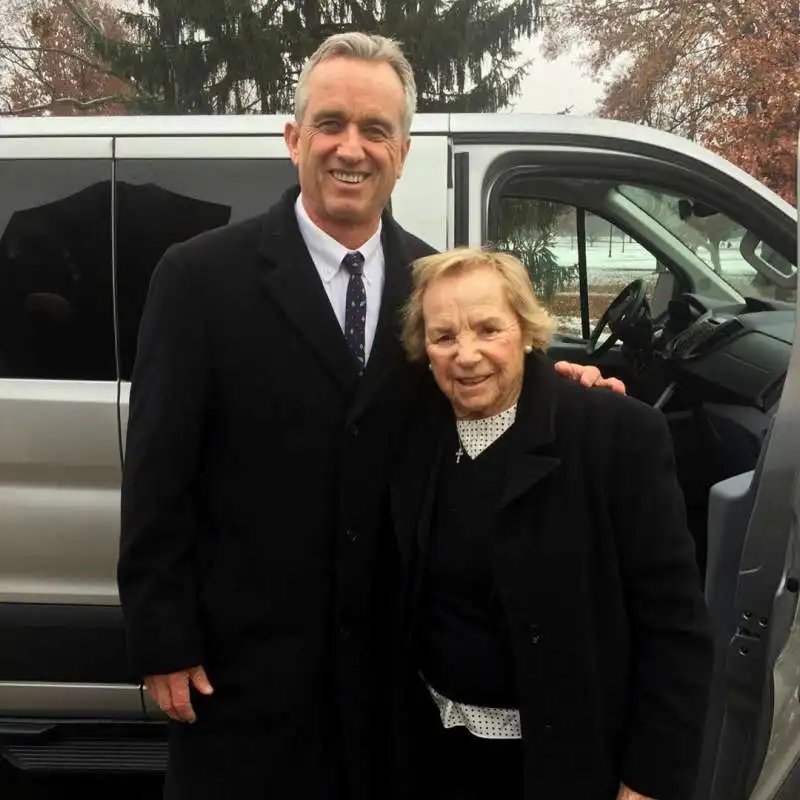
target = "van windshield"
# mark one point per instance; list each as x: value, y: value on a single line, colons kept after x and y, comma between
x: 725, y: 246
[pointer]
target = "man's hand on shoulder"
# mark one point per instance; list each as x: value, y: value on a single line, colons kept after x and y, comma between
x: 171, y: 692
x: 588, y: 375
x: 625, y: 793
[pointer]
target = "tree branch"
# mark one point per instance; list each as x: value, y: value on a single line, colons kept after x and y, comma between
x: 697, y: 111
x: 83, y: 17
x: 56, y: 52
x: 14, y: 54
x: 80, y: 105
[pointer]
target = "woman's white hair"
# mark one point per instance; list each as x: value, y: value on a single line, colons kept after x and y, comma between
x: 534, y: 321
x: 365, y: 47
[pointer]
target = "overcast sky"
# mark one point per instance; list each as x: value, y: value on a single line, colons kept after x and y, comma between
x: 552, y: 86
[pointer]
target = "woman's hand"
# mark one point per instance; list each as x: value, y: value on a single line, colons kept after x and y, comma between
x: 625, y: 793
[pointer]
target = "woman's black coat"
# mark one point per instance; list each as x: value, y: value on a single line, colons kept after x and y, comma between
x: 597, y: 576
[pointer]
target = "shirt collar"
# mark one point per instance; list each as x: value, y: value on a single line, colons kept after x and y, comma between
x: 326, y: 252
x: 476, y: 435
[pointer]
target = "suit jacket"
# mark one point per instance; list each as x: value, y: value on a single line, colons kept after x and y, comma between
x: 596, y: 574
x: 255, y: 479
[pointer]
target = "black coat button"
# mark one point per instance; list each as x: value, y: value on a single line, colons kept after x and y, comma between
x: 351, y: 535
x: 535, y: 633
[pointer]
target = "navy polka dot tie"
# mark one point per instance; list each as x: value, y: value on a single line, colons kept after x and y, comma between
x: 355, y: 317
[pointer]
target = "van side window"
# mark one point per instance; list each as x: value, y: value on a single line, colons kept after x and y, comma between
x: 544, y: 235
x: 56, y: 274
x: 164, y: 201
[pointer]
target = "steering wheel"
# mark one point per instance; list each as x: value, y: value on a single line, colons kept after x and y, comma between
x: 619, y: 317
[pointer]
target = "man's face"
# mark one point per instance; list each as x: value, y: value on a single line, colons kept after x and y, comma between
x: 349, y: 147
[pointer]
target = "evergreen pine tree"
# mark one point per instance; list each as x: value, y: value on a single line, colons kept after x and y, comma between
x: 239, y: 56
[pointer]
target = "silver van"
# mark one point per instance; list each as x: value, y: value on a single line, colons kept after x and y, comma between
x: 595, y: 208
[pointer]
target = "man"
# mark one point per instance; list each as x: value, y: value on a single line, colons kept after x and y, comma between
x: 268, y: 401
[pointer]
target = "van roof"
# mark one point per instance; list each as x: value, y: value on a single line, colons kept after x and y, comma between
x: 273, y: 125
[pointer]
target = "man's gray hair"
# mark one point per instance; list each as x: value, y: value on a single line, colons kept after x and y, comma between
x: 366, y: 47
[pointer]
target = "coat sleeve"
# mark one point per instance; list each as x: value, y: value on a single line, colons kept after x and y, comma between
x: 156, y: 573
x: 672, y: 644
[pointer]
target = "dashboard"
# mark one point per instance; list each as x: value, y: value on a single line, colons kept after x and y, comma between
x: 742, y: 350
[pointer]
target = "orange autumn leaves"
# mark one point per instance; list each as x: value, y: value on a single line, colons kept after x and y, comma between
x: 723, y: 72
x: 49, y: 65
x: 758, y: 129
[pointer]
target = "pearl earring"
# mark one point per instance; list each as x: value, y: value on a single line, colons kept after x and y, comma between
x: 528, y: 348
x: 430, y: 366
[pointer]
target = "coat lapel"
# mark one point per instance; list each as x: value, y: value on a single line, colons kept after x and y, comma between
x: 531, y: 457
x: 387, y: 352
x: 413, y: 489
x: 413, y: 498
x: 292, y: 281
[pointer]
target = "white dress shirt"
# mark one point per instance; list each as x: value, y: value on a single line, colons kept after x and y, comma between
x: 475, y: 436
x: 327, y: 255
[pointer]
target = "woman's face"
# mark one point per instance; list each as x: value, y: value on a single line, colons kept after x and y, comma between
x: 474, y: 342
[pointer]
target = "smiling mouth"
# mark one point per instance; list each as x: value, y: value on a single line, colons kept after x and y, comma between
x: 353, y: 178
x: 472, y: 381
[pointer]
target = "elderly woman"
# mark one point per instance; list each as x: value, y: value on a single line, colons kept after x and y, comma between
x: 558, y: 638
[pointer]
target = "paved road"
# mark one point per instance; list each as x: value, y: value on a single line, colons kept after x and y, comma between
x: 14, y: 786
